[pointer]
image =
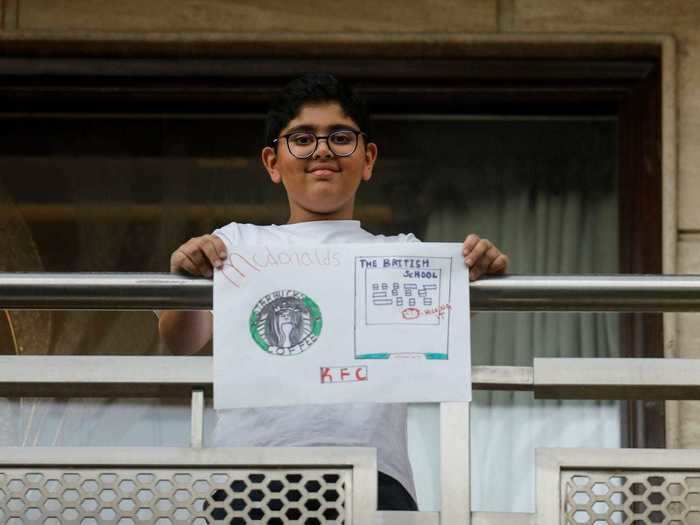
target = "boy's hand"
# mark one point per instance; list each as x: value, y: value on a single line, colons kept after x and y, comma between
x: 199, y: 256
x: 482, y: 257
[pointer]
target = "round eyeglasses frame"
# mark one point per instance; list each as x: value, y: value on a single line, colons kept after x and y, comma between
x: 317, y: 138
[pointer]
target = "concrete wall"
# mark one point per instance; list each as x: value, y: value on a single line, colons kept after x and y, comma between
x: 250, y: 15
x: 678, y: 18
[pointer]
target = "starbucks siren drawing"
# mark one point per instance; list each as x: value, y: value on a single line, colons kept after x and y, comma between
x: 285, y: 323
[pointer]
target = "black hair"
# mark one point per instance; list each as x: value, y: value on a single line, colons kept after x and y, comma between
x: 308, y: 89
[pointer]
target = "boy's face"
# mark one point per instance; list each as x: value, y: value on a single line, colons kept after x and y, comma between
x: 322, y: 186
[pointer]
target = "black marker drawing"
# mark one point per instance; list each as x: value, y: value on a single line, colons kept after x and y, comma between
x: 394, y: 295
x: 285, y: 322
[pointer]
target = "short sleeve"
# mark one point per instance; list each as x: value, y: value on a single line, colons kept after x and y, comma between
x: 408, y: 237
x: 230, y: 234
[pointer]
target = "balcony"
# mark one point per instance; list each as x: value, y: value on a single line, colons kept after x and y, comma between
x: 337, y: 485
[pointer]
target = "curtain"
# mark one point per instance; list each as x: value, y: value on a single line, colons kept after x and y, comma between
x: 551, y: 205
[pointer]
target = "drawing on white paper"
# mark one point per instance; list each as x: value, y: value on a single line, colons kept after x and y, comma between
x: 353, y: 323
x: 397, y: 293
x: 285, y: 323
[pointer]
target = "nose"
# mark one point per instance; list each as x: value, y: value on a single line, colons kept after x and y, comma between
x: 322, y: 149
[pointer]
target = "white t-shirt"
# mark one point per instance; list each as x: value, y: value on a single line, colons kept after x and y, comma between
x: 382, y: 426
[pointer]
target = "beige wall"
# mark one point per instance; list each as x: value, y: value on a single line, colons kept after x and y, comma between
x: 679, y: 18
x: 251, y: 15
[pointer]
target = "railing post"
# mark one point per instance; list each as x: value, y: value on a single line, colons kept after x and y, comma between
x: 197, y: 418
x: 455, y: 504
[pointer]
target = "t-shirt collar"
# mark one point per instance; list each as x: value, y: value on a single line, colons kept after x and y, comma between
x: 349, y: 224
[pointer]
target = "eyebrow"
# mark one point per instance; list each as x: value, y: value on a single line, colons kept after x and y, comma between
x: 312, y: 128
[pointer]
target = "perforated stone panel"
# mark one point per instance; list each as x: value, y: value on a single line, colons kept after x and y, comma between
x: 630, y: 497
x: 196, y: 496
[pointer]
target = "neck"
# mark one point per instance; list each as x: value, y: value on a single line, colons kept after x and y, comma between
x: 299, y: 214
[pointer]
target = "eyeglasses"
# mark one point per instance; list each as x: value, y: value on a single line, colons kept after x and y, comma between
x: 303, y: 144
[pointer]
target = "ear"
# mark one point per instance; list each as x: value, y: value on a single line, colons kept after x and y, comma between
x: 269, y: 160
x: 371, y: 153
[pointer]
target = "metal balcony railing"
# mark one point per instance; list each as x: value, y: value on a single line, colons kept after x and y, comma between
x: 148, y: 291
x: 178, y: 376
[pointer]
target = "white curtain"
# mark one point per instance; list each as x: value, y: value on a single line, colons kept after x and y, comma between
x: 96, y: 422
x: 551, y: 205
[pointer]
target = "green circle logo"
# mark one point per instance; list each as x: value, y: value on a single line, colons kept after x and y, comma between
x: 285, y: 322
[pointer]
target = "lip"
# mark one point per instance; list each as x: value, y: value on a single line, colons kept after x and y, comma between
x: 323, y: 171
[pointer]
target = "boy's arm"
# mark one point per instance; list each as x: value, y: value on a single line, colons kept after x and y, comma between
x: 187, y: 331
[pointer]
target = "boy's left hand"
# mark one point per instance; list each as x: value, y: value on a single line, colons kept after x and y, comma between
x: 483, y: 258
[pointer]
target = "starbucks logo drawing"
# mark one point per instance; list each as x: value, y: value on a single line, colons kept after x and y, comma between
x: 285, y: 323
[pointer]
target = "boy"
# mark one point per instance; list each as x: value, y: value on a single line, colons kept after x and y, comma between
x: 317, y: 146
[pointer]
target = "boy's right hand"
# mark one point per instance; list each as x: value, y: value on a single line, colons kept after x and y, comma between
x: 199, y: 256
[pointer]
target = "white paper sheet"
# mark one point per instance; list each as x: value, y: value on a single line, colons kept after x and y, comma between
x: 341, y: 323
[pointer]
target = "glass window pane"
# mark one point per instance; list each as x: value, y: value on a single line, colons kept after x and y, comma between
x: 120, y: 194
